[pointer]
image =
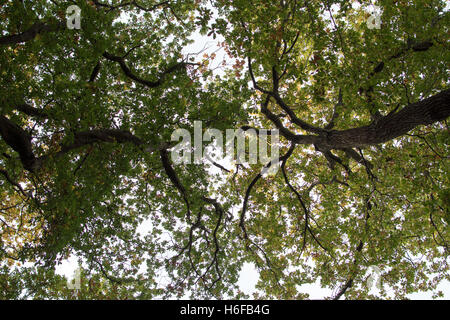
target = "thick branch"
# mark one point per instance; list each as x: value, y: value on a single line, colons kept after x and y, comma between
x: 425, y: 112
x: 147, y: 83
x: 30, y: 34
x: 100, y: 135
x: 30, y: 111
x: 19, y: 140
x: 130, y: 3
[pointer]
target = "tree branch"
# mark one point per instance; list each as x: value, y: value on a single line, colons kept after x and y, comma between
x: 37, y: 28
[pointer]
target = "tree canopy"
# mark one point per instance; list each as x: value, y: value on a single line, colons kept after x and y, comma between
x: 86, y: 118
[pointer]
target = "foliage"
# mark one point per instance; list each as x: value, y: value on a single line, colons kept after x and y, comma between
x: 86, y: 123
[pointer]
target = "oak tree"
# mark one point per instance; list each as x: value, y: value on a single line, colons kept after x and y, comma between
x: 85, y: 135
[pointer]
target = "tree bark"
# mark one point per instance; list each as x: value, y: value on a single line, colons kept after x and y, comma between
x: 425, y: 112
x: 19, y: 140
x: 31, y: 33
